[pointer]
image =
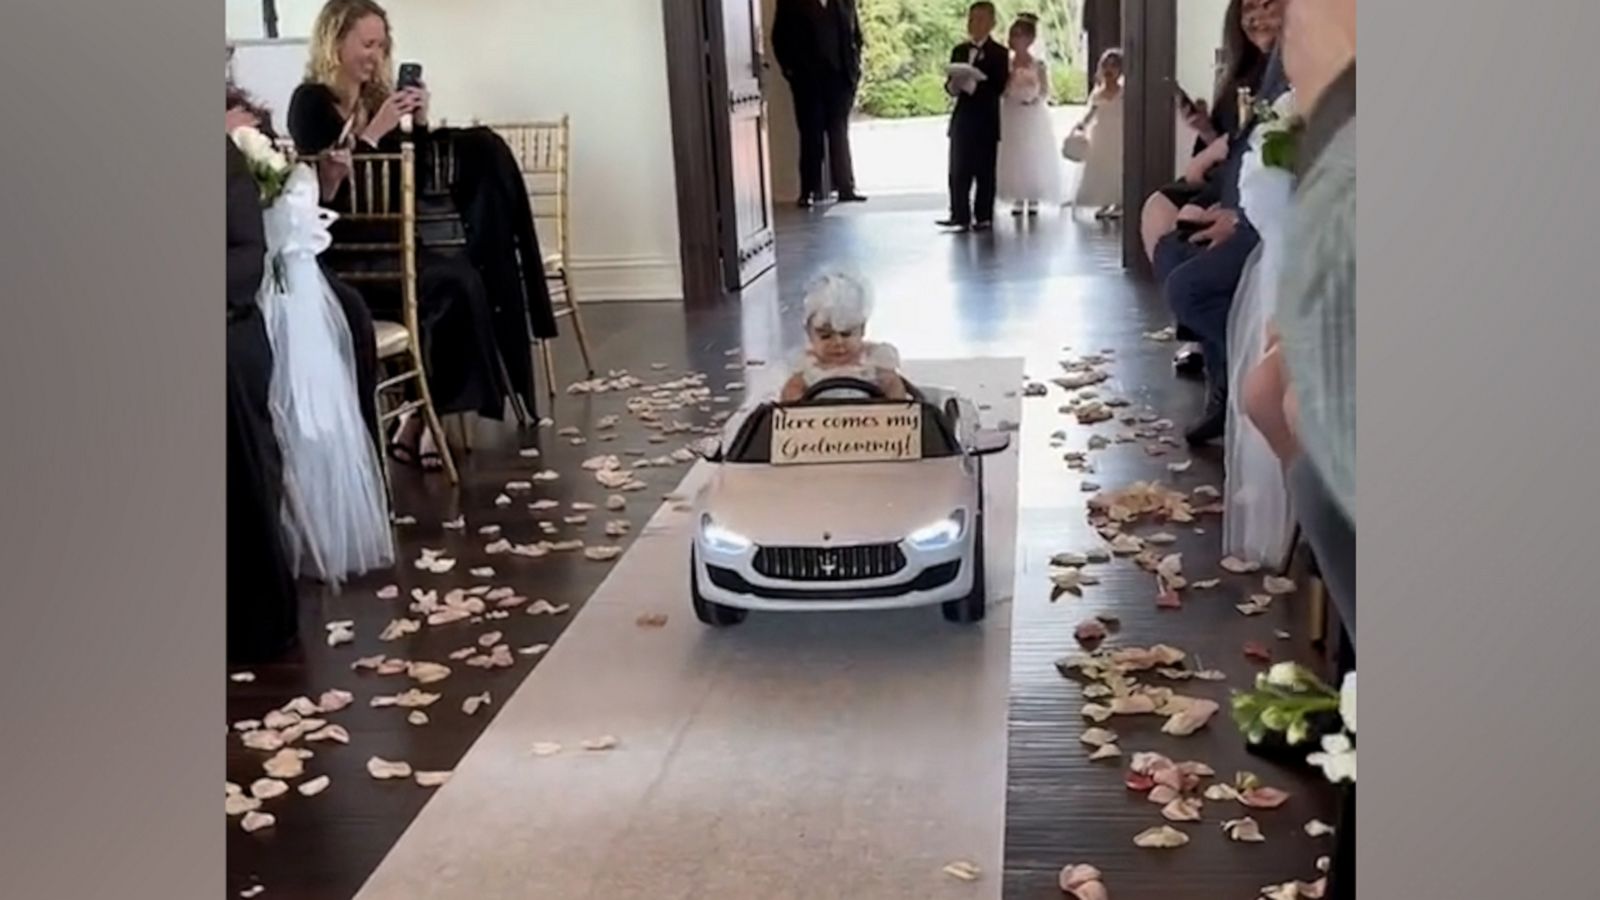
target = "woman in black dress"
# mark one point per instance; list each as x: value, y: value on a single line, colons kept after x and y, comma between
x: 347, y: 105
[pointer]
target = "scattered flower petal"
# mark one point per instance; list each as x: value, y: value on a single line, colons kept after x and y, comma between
x: 1263, y: 798
x: 383, y: 769
x: 268, y: 788
x: 1106, y: 751
x: 1163, y: 837
x: 1183, y: 809
x: 255, y: 821
x: 1245, y: 830
x: 1317, y: 828
x: 963, y: 871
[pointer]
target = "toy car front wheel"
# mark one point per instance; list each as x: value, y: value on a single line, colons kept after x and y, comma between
x: 714, y: 614
x: 972, y: 607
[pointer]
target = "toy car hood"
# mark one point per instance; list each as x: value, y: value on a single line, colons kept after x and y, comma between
x: 843, y: 503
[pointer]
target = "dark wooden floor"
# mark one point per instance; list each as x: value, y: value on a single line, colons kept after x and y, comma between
x: 1028, y: 290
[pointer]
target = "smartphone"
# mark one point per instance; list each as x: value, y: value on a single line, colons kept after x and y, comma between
x: 410, y: 76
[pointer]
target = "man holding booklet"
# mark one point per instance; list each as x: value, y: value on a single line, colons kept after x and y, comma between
x: 977, y: 78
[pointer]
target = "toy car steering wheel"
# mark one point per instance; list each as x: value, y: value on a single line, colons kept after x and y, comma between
x: 844, y: 384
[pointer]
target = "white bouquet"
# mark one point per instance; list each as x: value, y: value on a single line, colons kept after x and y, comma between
x: 1289, y: 700
x: 267, y: 164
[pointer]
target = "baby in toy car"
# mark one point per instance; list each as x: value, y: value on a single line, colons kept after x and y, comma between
x: 837, y: 307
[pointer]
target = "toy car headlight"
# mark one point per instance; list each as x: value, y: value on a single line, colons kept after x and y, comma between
x: 720, y: 539
x: 940, y: 534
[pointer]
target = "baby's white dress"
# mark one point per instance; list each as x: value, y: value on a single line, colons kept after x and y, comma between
x: 876, y: 360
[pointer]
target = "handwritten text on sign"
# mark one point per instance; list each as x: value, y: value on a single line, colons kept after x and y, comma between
x: 836, y: 434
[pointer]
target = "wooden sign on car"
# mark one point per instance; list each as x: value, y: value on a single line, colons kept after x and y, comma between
x: 877, y: 432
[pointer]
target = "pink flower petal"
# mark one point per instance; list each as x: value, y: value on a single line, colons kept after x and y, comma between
x: 1264, y: 798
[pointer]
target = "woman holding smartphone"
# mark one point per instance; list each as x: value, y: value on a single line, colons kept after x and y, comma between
x: 352, y: 103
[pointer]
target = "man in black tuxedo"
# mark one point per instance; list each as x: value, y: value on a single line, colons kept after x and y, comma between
x: 975, y: 123
x: 818, y: 46
x: 263, y: 618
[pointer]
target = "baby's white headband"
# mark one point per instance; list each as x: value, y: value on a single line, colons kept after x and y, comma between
x: 839, y: 300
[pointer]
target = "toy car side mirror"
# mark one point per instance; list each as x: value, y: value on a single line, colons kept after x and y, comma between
x: 988, y: 441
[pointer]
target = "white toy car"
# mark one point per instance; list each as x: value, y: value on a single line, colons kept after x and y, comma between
x: 802, y: 513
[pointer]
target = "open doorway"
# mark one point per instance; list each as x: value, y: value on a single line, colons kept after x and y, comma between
x: 897, y: 133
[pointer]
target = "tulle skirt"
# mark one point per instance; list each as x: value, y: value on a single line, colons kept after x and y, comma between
x: 1257, y: 518
x: 1100, y: 179
x: 336, y: 512
x: 1030, y: 163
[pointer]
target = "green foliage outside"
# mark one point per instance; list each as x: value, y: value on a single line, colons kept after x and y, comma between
x: 908, y: 43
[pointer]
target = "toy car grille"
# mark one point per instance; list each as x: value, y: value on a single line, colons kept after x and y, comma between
x: 856, y: 563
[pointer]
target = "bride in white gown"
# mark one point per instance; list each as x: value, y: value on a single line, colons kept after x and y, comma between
x: 336, y: 510
x: 1029, y: 172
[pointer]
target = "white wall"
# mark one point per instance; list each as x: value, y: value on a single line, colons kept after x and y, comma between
x: 1199, y: 37
x: 603, y: 62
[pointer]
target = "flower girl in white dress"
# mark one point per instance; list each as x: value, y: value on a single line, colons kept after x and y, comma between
x: 1029, y: 172
x: 837, y: 309
x: 1100, y: 183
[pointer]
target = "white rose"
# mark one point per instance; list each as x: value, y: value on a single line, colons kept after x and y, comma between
x: 1284, y: 105
x: 1347, y: 702
x: 252, y: 143
x: 1284, y: 674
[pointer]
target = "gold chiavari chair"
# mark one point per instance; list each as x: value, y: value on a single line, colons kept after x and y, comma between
x: 543, y: 151
x: 383, y: 191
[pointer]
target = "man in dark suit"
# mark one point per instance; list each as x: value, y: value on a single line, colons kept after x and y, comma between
x: 818, y: 47
x: 1102, y: 30
x: 263, y: 618
x: 975, y: 123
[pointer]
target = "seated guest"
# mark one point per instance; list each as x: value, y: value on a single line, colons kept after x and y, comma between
x: 1250, y: 30
x: 1312, y: 376
x: 1200, y: 269
x: 263, y: 617
x: 349, y: 105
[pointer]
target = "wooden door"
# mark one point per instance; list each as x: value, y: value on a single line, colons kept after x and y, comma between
x: 1149, y: 50
x: 744, y: 161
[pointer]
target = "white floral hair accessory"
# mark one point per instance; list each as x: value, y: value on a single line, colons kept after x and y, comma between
x: 838, y: 300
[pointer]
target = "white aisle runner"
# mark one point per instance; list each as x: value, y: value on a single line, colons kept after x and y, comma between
x: 795, y: 756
